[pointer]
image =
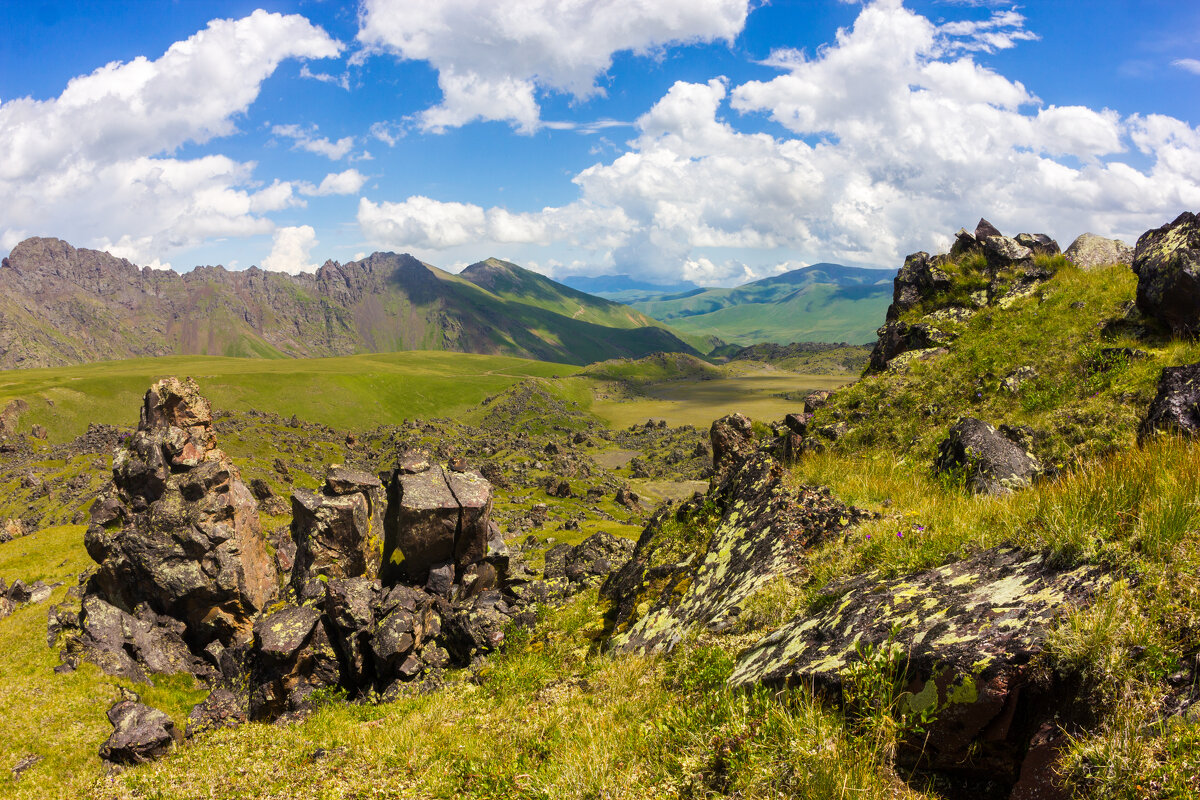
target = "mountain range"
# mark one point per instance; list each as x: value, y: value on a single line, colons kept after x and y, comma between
x: 61, y: 305
x: 819, y: 303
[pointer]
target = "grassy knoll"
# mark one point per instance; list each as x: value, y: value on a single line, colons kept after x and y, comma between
x: 350, y: 392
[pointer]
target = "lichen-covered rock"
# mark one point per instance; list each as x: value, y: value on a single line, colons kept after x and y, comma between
x: 763, y: 526
x: 1089, y: 251
x: 964, y: 635
x: 435, y: 516
x: 589, y: 562
x: 221, y: 709
x: 340, y: 532
x: 185, y: 539
x: 896, y: 338
x: 732, y: 438
x: 920, y: 277
x: 1038, y: 243
x: 1167, y: 263
x: 292, y: 657
x: 1176, y: 406
x: 991, y: 463
x: 140, y: 734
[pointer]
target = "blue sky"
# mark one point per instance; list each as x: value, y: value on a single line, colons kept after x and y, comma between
x: 713, y: 140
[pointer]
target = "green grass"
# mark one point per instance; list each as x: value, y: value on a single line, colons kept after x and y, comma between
x: 349, y: 392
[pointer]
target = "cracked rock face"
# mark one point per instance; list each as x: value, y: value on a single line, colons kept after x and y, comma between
x: 340, y: 532
x: 1167, y: 263
x: 176, y: 535
x: 964, y: 634
x: 435, y: 517
x: 1176, y: 406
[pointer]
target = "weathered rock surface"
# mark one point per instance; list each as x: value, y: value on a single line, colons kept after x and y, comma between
x: 964, y: 635
x: 221, y: 709
x: 661, y: 594
x: 991, y: 462
x: 292, y: 657
x: 732, y: 440
x: 1089, y: 250
x: 176, y: 537
x: 1167, y: 263
x: 1176, y: 406
x: 339, y: 533
x: 589, y: 562
x: 435, y: 516
x: 140, y: 734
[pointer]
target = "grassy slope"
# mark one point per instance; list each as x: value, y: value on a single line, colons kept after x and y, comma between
x: 352, y: 392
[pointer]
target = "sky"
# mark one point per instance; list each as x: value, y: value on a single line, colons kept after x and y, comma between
x: 716, y: 141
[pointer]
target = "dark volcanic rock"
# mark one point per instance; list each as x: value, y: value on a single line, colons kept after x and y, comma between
x: 993, y: 464
x: 221, y: 709
x: 964, y: 636
x: 733, y: 440
x: 140, y: 734
x: 589, y: 562
x: 1176, y: 407
x: 1167, y: 263
x: 292, y: 657
x: 920, y: 277
x: 333, y: 537
x: 1039, y: 243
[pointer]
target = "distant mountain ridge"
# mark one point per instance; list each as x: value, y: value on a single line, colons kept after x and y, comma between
x: 61, y: 305
x: 818, y: 303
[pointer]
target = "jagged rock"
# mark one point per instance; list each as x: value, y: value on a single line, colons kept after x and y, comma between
x: 589, y: 562
x: 435, y: 517
x: 1176, y: 406
x: 732, y: 440
x: 140, y: 734
x: 221, y: 709
x: 985, y: 229
x: 992, y: 463
x: 20, y: 592
x: 476, y: 628
x: 261, y: 490
x: 1089, y: 251
x: 900, y: 337
x: 292, y: 657
x: 1038, y: 243
x: 190, y: 546
x: 920, y: 277
x: 763, y: 527
x: 964, y: 635
x: 815, y: 400
x: 1003, y: 252
x: 628, y: 498
x: 1167, y: 263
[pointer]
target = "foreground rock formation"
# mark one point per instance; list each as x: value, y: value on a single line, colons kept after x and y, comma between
x: 1167, y: 263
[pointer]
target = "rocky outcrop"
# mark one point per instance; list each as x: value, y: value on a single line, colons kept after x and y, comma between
x: 989, y: 462
x: 140, y: 734
x: 962, y: 638
x: 732, y: 440
x: 1089, y: 251
x: 179, y: 530
x: 339, y: 533
x: 1167, y: 263
x: 435, y: 517
x: 923, y: 316
x: 587, y: 563
x: 666, y: 591
x: 1176, y: 406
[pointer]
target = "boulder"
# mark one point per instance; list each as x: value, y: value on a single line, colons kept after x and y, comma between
x: 332, y: 536
x: 185, y: 537
x: 661, y: 596
x: 1176, y: 406
x: 221, y: 709
x: 991, y: 463
x: 896, y: 338
x: 435, y: 516
x: 1039, y: 243
x: 815, y: 400
x: 1003, y: 252
x: 984, y: 229
x: 1167, y: 263
x: 919, y: 278
x: 962, y: 638
x: 140, y: 734
x: 732, y: 440
x: 291, y: 658
x: 589, y: 562
x: 1089, y: 251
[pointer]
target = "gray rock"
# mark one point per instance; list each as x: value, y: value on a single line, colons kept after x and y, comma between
x: 1039, y: 243
x: 1089, y: 251
x: 732, y: 440
x: 140, y: 734
x: 1167, y: 263
x: 1176, y: 406
x: 221, y: 709
x: 992, y: 463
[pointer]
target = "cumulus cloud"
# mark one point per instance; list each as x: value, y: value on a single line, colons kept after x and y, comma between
x: 290, y: 249
x: 493, y: 56
x: 348, y: 182
x: 95, y: 162
x: 894, y: 138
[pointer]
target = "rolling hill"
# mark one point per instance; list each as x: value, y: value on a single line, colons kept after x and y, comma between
x: 819, y: 303
x: 60, y: 305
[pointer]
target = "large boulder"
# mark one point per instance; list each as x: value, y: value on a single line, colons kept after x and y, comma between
x: 140, y: 734
x: 961, y: 638
x: 1089, y: 251
x: 435, y: 516
x: 339, y: 533
x: 1167, y: 263
x: 662, y: 595
x: 921, y: 276
x: 1176, y: 407
x: 990, y: 462
x: 732, y: 438
x: 292, y: 657
x: 183, y: 536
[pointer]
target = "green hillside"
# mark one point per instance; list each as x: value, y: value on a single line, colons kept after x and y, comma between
x: 821, y: 303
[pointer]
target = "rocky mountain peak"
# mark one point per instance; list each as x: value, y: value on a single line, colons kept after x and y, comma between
x: 43, y: 265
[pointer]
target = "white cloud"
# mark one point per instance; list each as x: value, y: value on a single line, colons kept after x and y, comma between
x: 492, y: 56
x: 894, y: 139
x: 342, y: 80
x: 348, y: 182
x: 387, y: 132
x: 307, y: 139
x: 1191, y: 65
x: 93, y: 165
x: 290, y: 249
